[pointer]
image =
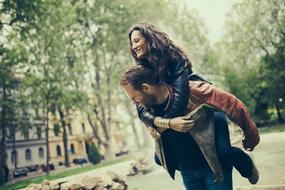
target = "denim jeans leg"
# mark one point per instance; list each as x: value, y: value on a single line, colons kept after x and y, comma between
x: 227, y: 184
x: 228, y: 155
x: 192, y: 179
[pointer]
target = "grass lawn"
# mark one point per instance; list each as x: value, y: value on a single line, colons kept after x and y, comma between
x: 276, y: 128
x: 24, y: 183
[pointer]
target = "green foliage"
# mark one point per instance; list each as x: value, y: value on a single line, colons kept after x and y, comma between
x: 251, y: 55
x: 69, y: 55
x: 94, y: 156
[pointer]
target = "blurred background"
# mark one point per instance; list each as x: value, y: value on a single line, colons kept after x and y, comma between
x: 61, y: 103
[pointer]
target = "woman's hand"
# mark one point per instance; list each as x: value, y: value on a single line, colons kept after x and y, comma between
x: 181, y: 124
x: 155, y: 135
x: 251, y: 139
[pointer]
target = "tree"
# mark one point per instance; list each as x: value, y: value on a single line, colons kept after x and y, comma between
x: 11, y: 27
x: 247, y: 54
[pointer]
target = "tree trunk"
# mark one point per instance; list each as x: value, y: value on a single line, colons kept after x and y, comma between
x: 3, y: 153
x: 95, y: 132
x: 14, y: 148
x: 136, y: 136
x: 47, y: 141
x: 109, y: 149
x: 280, y: 119
x: 146, y: 137
x: 132, y: 122
x: 105, y: 119
x: 64, y: 138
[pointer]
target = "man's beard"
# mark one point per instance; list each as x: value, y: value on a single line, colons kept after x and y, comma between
x: 149, y: 100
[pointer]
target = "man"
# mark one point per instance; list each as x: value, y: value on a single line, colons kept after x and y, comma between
x: 193, y: 153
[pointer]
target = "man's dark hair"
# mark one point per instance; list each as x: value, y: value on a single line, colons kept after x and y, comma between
x: 137, y: 75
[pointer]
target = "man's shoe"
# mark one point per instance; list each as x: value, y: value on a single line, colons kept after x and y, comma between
x: 253, y: 179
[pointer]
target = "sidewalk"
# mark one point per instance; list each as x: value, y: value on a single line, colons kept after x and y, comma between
x: 264, y: 187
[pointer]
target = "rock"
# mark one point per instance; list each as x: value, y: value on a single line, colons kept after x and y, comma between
x: 117, y: 186
x: 55, y: 187
x: 45, y: 187
x: 119, y: 181
x: 141, y: 165
x: 45, y: 182
x: 92, y: 182
x: 33, y: 187
x: 100, y: 187
x: 76, y: 186
x: 116, y: 177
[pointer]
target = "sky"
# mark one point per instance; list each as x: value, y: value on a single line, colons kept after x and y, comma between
x: 214, y: 13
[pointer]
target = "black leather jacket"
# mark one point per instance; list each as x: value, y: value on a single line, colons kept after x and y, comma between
x: 178, y: 76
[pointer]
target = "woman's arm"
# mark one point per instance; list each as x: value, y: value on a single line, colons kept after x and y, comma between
x: 145, y: 116
x: 180, y: 83
x: 178, y: 104
x: 202, y: 92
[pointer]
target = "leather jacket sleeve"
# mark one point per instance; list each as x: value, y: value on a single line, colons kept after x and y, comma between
x: 178, y: 74
x: 180, y: 83
x: 145, y: 116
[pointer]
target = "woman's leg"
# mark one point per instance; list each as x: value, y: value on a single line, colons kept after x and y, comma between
x: 228, y: 155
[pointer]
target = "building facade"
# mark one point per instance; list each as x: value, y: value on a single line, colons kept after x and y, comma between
x: 29, y: 148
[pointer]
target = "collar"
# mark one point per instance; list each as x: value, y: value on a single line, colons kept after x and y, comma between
x: 169, y: 95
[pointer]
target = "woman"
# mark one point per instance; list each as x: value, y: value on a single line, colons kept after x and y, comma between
x: 152, y: 48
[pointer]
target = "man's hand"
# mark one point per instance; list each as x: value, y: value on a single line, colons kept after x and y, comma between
x: 181, y: 124
x: 251, y: 139
x: 155, y: 135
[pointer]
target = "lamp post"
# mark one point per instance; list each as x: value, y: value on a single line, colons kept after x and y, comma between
x: 280, y: 100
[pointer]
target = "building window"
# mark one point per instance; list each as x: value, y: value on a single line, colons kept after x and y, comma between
x: 14, y: 156
x: 83, y: 128
x: 72, y: 149
x: 26, y: 134
x: 56, y: 129
x: 41, y: 152
x: 11, y: 136
x: 28, y: 154
x: 69, y: 129
x: 58, y: 150
x: 39, y: 132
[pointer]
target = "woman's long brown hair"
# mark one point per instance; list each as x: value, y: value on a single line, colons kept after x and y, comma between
x: 162, y: 49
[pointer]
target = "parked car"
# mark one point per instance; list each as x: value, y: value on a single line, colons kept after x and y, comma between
x: 44, y: 167
x: 20, y: 172
x: 79, y: 161
x: 33, y: 168
x: 123, y: 152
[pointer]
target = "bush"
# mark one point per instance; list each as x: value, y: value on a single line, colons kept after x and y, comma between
x: 94, y: 156
x: 2, y: 176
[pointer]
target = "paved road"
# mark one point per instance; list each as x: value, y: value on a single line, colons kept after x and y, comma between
x: 269, y: 156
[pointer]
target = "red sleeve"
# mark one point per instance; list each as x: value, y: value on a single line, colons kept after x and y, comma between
x: 237, y: 112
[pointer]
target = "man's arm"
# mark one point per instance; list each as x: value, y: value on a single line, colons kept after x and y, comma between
x: 202, y: 92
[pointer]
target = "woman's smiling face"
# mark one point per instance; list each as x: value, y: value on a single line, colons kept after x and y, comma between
x: 139, y: 44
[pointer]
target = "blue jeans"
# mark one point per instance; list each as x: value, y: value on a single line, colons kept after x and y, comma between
x: 230, y: 156
x: 203, y: 179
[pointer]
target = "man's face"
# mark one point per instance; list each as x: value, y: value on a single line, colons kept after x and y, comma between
x: 139, y: 44
x: 144, y: 97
